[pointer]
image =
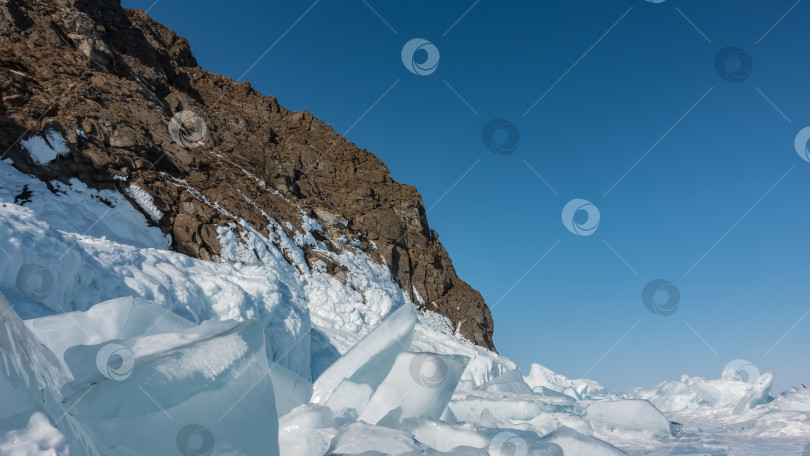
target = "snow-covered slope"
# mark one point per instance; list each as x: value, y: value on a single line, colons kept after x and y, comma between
x: 129, y: 348
x: 77, y: 247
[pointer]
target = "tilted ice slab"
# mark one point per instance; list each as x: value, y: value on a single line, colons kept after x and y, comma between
x: 31, y: 378
x: 484, y: 365
x: 370, y: 360
x: 483, y: 407
x: 432, y: 334
x: 419, y: 385
x: 124, y: 318
x: 626, y: 416
x: 349, y: 399
x: 120, y: 318
x: 200, y: 389
x: 30, y: 375
x: 306, y: 430
x: 291, y: 390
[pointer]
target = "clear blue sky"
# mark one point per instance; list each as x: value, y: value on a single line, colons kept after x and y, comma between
x: 607, y: 102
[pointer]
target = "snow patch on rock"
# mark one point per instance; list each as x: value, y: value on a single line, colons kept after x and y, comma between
x: 45, y: 149
x: 145, y: 201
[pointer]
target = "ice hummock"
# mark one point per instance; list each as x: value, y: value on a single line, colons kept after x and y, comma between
x: 307, y: 429
x: 370, y: 360
x: 626, y: 416
x: 729, y: 392
x: 418, y: 385
x: 214, y: 377
x: 120, y: 318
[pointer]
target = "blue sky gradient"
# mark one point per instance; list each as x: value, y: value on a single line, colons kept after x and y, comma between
x: 716, y: 203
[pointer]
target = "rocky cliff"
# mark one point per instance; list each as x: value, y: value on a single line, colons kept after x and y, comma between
x: 139, y: 115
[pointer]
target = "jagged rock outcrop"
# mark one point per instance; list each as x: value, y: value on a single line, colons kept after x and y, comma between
x: 111, y: 80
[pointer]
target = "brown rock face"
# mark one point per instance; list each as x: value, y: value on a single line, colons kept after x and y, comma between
x: 111, y: 80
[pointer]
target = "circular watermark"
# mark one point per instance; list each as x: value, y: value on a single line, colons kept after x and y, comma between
x: 806, y: 450
x: 740, y: 371
x: 428, y: 370
x: 195, y: 440
x: 420, y: 56
x: 500, y: 137
x: 35, y: 281
x: 584, y: 227
x: 802, y: 144
x: 115, y: 362
x: 733, y: 64
x: 655, y: 1
x: 508, y: 444
x: 188, y: 129
x: 661, y: 297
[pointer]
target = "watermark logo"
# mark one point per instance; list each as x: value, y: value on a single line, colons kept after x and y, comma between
x: 580, y: 227
x: 661, y: 297
x: 35, y: 281
x: 115, y: 362
x: 195, y: 440
x: 508, y: 444
x: 733, y: 64
x: 802, y: 144
x: 500, y: 137
x: 428, y: 370
x: 188, y: 129
x: 740, y: 371
x: 420, y: 56
x: 806, y: 450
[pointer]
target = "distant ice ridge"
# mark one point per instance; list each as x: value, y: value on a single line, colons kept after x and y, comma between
x: 129, y: 348
x: 730, y: 391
